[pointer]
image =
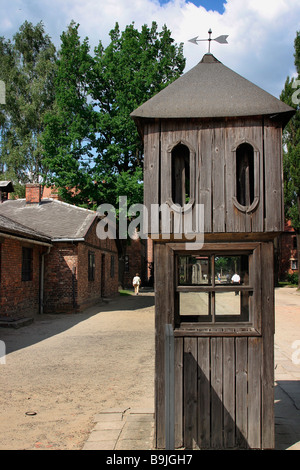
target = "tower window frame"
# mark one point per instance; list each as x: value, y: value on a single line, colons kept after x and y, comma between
x: 188, y: 164
x: 217, y: 321
x: 246, y: 188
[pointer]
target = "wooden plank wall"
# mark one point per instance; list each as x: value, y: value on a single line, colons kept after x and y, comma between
x: 213, y: 142
x: 224, y: 385
x: 274, y: 217
x: 220, y: 379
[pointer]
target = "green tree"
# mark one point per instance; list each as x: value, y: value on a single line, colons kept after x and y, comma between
x: 27, y: 66
x: 70, y: 126
x: 92, y: 143
x: 291, y: 149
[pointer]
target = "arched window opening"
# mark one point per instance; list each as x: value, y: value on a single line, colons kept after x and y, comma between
x: 180, y: 174
x: 245, y: 174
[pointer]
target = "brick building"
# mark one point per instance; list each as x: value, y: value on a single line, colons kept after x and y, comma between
x: 288, y: 252
x: 20, y: 252
x: 68, y: 267
x: 135, y: 261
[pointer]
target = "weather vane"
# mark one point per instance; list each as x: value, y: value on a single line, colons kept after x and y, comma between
x: 219, y: 39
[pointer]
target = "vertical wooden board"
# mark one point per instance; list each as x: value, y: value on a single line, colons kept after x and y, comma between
x: 178, y: 392
x: 230, y: 177
x: 164, y: 314
x: 234, y: 133
x: 268, y: 427
x: 254, y: 134
x: 254, y: 393
x: 167, y: 139
x: 241, y: 392
x: 151, y: 168
x: 216, y: 394
x: 218, y: 178
x: 204, y: 176
x: 255, y: 281
x: 273, y: 178
x: 229, y: 392
x: 203, y: 412
x: 172, y: 133
x: 190, y: 392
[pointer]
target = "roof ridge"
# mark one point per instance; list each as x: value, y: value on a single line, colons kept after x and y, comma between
x: 70, y: 205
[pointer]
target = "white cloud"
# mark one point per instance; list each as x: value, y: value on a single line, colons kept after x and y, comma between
x: 261, y: 32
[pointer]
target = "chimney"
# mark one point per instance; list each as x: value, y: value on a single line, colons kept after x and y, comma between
x: 33, y: 193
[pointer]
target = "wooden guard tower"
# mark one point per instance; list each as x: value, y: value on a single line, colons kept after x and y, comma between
x: 213, y: 139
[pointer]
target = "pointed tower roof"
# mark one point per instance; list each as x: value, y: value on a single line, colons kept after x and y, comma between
x: 212, y: 90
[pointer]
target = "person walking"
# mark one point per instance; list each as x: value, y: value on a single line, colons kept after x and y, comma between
x: 136, y: 283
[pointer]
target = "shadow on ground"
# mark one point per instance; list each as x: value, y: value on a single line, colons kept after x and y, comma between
x: 47, y: 325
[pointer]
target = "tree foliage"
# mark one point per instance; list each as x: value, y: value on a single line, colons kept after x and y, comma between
x: 291, y: 140
x: 27, y: 66
x: 92, y: 143
x: 291, y: 150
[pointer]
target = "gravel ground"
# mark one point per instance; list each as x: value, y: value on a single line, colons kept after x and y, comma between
x: 63, y: 369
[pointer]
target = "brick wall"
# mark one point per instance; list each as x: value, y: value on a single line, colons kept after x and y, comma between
x: 18, y: 298
x: 67, y: 287
x: 136, y: 262
x: 60, y: 291
x: 287, y: 253
x: 67, y: 284
x: 105, y: 283
x: 33, y: 193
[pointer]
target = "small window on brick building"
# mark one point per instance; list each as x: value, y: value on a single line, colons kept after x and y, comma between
x: 112, y: 266
x: 294, y: 264
x: 126, y: 267
x: 27, y: 264
x: 91, y: 266
x: 294, y: 243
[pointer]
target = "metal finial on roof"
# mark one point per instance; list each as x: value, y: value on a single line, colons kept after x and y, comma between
x: 220, y: 39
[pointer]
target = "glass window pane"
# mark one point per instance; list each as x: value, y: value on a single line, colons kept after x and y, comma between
x: 232, y: 270
x: 194, y: 304
x: 232, y: 304
x: 194, y: 270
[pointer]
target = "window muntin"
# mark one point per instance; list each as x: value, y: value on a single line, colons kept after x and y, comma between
x: 223, y: 299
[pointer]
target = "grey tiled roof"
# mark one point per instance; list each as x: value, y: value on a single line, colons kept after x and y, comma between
x: 10, y: 227
x: 211, y: 90
x: 52, y: 218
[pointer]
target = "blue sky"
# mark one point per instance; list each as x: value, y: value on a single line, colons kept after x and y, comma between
x: 261, y: 32
x: 215, y: 5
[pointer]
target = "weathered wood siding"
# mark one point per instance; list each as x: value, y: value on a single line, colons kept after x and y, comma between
x: 224, y: 379
x: 220, y: 379
x: 214, y: 183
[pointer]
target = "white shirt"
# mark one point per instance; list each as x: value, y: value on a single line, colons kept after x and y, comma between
x: 235, y: 278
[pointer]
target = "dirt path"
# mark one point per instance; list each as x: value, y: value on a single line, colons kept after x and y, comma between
x: 67, y: 368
